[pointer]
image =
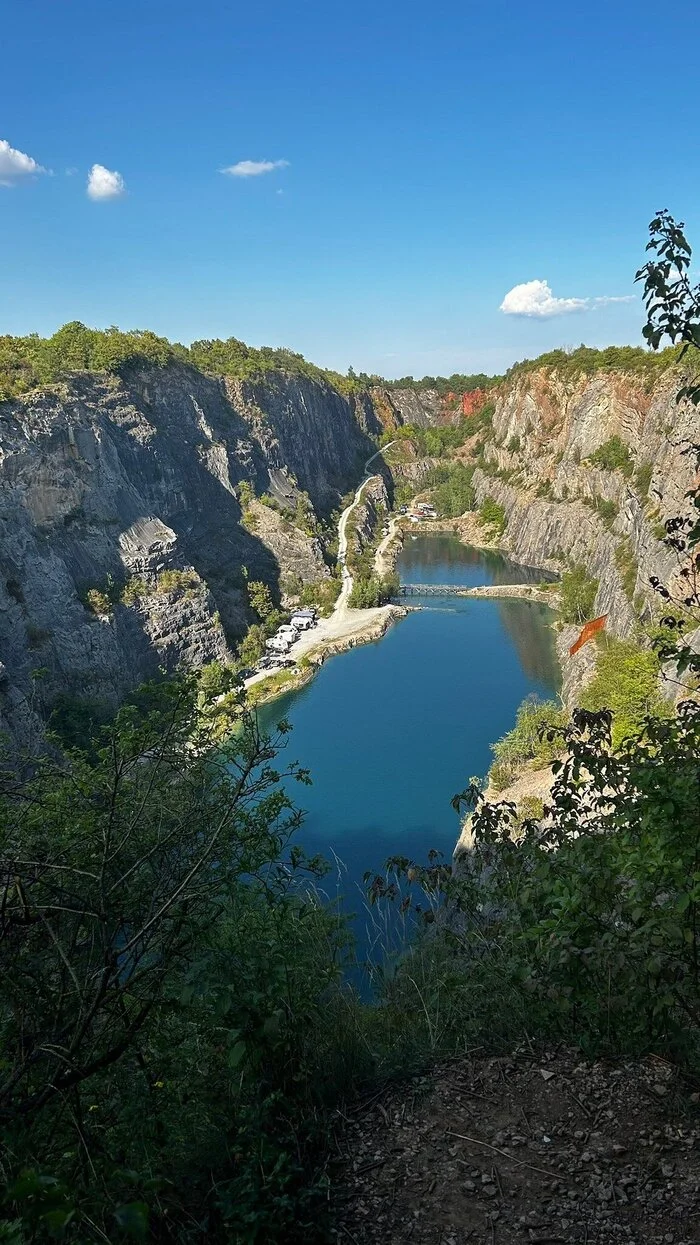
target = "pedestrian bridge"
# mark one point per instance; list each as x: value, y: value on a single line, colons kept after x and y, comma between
x: 529, y: 592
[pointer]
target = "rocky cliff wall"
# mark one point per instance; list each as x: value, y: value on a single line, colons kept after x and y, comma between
x: 537, y: 466
x: 105, y: 480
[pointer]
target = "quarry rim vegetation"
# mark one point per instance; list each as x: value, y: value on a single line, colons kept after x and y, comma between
x: 29, y: 362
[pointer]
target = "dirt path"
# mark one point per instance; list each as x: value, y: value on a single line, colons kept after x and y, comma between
x: 341, y: 604
x: 382, y: 564
x: 525, y: 1150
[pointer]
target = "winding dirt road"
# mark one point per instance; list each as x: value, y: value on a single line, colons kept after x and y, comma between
x: 341, y: 605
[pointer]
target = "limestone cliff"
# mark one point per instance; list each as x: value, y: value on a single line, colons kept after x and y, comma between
x: 560, y: 507
x: 107, y: 482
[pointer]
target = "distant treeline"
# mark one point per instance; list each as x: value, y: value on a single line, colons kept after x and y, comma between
x: 586, y: 359
x: 457, y: 383
x: 28, y: 362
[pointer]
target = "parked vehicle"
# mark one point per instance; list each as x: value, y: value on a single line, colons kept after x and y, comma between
x: 302, y: 621
x: 278, y: 644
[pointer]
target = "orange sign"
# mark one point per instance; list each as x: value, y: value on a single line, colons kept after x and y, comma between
x: 596, y: 624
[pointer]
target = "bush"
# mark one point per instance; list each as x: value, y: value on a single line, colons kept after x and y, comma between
x: 178, y: 581
x: 368, y: 593
x: 626, y: 681
x: 98, y: 601
x: 613, y: 455
x: 536, y: 736
x: 492, y: 514
x: 134, y: 590
x: 103, y: 599
x: 191, y: 972
x: 607, y: 510
x: 577, y: 594
x: 514, y: 444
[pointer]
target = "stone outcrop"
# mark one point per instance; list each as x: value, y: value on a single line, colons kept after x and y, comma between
x: 420, y: 407
x: 365, y: 518
x: 299, y: 554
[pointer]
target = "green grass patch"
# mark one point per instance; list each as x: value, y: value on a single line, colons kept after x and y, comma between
x: 626, y: 681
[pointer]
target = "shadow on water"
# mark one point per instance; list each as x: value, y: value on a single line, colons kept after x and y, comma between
x: 391, y: 730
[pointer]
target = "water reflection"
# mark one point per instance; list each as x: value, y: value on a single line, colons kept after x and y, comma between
x: 439, y: 558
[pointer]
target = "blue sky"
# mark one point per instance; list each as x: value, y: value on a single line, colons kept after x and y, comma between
x: 437, y: 155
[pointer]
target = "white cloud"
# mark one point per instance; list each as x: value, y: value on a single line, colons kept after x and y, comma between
x: 104, y: 183
x: 535, y: 299
x: 15, y: 165
x: 254, y: 168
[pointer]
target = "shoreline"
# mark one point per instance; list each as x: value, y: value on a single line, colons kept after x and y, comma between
x: 329, y: 638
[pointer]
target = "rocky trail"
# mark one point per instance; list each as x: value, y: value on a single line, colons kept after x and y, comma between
x: 525, y: 1150
x: 341, y: 605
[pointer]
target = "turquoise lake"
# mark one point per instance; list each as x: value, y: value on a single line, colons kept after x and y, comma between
x: 391, y: 730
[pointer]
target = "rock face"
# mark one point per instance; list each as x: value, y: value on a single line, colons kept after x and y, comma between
x: 420, y: 407
x: 537, y: 468
x: 104, y: 481
x: 366, y: 515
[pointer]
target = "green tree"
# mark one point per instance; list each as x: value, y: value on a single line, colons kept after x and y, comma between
x: 260, y: 599
x: 252, y: 646
x: 492, y: 514
x: 577, y: 595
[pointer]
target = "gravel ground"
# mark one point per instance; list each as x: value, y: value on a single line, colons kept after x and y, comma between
x: 524, y: 1150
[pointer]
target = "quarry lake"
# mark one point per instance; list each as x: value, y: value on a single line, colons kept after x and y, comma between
x: 391, y: 730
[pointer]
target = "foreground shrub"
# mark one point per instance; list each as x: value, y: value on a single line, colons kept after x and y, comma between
x: 167, y: 981
x: 580, y: 927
